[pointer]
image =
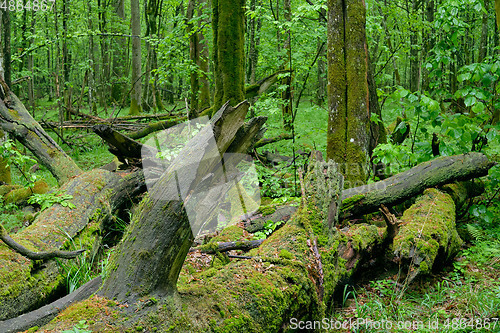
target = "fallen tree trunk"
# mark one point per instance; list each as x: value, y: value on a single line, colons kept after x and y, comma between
x: 429, y: 237
x: 16, y: 120
x: 212, y: 248
x: 396, y: 189
x: 26, y: 284
x: 45, y: 314
x: 266, y: 141
x: 293, y: 274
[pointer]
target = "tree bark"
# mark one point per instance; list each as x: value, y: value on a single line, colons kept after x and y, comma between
x: 348, y: 97
x: 396, y: 189
x: 228, y: 23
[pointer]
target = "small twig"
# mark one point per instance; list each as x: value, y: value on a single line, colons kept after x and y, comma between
x: 4, y: 235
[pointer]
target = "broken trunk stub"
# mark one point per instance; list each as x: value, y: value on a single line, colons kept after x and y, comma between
x: 203, y: 179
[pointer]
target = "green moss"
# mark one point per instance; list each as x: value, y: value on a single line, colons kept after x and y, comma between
x: 351, y: 201
x: 267, y: 210
x: 285, y: 254
x: 428, y: 229
x: 229, y: 234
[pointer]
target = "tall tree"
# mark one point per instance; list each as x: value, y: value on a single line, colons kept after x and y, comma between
x: 228, y: 24
x: 119, y: 54
x: 198, y: 53
x: 287, y: 81
x: 135, y: 21
x: 6, y: 55
x: 151, y: 98
x: 348, y: 97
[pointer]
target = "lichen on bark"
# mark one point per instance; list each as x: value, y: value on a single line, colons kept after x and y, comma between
x: 348, y: 94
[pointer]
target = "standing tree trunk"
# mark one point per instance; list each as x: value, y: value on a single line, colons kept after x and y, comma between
x: 119, y: 55
x: 151, y: 98
x: 322, y: 82
x: 7, y: 67
x: 67, y: 90
x: 428, y: 41
x: 135, y: 18
x: 198, y: 52
x: 414, y: 54
x: 483, y: 44
x: 228, y: 23
x: 348, y: 97
x: 286, y: 96
x: 254, y: 24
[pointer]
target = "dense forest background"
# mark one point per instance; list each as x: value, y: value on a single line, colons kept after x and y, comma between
x: 433, y: 81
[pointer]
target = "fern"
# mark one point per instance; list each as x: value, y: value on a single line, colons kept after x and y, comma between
x: 476, y: 232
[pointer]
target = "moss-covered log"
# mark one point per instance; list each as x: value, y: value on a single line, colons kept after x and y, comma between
x: 27, y: 284
x: 396, y: 189
x: 428, y: 236
x: 295, y: 273
x: 266, y: 141
x: 16, y: 120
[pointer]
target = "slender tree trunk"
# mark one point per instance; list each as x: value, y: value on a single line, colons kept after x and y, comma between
x: 228, y: 23
x: 286, y: 96
x: 104, y: 73
x: 94, y: 66
x: 7, y: 67
x: 322, y: 82
x: 348, y: 93
x: 135, y: 17
x: 67, y: 90
x: 119, y: 55
x: 414, y: 54
x: 483, y: 44
x: 253, y: 56
x: 428, y: 41
x: 31, y: 82
x: 198, y: 52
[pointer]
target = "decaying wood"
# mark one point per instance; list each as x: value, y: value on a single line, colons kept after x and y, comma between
x: 396, y: 189
x: 428, y: 236
x: 97, y: 194
x: 44, y: 255
x: 266, y: 141
x: 46, y: 313
x: 211, y: 248
x: 16, y: 120
x: 253, y: 91
x: 256, y: 222
x: 126, y: 149
x: 160, y: 221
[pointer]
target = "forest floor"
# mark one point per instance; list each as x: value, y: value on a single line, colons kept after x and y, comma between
x: 463, y: 297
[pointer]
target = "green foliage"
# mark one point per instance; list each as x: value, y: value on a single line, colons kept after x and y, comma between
x: 46, y: 200
x: 268, y: 229
x: 81, y: 327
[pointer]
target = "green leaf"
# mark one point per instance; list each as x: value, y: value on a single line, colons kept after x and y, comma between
x: 470, y: 100
x: 463, y: 77
x: 478, y: 108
